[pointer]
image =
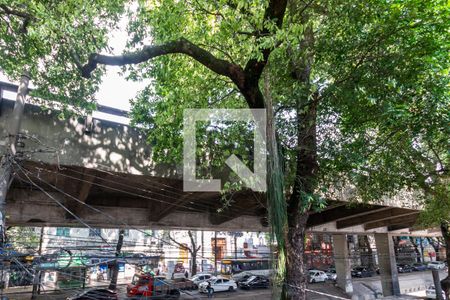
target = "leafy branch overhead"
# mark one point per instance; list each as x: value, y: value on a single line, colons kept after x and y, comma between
x: 246, y: 79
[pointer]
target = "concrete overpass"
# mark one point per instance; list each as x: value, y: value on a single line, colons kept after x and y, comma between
x: 109, y: 166
x: 103, y: 173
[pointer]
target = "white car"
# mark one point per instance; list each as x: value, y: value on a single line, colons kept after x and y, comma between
x: 431, y: 293
x: 218, y: 285
x: 438, y: 265
x: 317, y: 276
x: 199, y: 278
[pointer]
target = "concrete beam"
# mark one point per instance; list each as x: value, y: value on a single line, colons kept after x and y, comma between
x: 374, y: 216
x: 411, y: 218
x: 340, y: 212
x: 84, y: 187
x: 167, y: 209
x: 43, y: 211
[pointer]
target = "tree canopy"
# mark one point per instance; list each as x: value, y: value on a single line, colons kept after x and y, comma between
x: 359, y: 90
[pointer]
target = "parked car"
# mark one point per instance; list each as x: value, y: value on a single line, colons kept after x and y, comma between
x: 331, y: 274
x: 199, y: 278
x: 404, y: 268
x: 95, y: 294
x: 254, y: 282
x: 218, y: 285
x: 431, y: 293
x: 419, y: 267
x: 243, y: 276
x: 439, y: 265
x: 362, y: 272
x: 317, y: 276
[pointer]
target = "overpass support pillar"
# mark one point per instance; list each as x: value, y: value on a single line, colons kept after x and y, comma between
x: 342, y: 263
x: 387, y: 264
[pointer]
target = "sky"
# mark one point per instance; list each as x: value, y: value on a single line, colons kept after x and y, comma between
x: 115, y: 91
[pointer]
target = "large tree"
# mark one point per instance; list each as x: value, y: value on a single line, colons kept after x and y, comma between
x: 327, y: 72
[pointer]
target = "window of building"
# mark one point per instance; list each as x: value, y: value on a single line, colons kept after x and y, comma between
x: 95, y: 232
x: 62, y: 231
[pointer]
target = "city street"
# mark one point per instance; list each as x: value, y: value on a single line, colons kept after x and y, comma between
x: 410, y: 283
x: 413, y: 284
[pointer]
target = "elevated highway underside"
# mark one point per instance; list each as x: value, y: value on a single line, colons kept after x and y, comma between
x: 108, y: 199
x: 103, y: 173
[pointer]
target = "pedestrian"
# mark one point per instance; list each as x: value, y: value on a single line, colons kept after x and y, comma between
x: 186, y: 274
x: 210, y: 290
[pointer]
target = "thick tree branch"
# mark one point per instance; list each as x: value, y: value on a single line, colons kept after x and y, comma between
x: 246, y: 79
x: 182, y: 46
x: 11, y: 11
x: 27, y: 18
x: 182, y: 246
x: 253, y: 69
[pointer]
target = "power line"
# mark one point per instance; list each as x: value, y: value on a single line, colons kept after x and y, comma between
x: 59, y: 203
x: 99, y: 211
x: 200, y: 208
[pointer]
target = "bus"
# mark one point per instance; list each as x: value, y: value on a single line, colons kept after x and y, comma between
x: 256, y: 266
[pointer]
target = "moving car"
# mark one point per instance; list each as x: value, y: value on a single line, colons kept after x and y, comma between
x: 438, y: 265
x: 419, y: 267
x: 431, y: 293
x: 317, y: 276
x: 218, y: 285
x: 254, y: 282
x: 199, y: 278
x: 362, y: 272
x: 404, y: 268
x: 96, y: 294
x: 331, y: 274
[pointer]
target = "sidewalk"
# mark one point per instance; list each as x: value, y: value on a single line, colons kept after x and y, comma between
x: 19, y: 293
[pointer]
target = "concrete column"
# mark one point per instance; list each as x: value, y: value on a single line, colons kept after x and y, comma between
x: 342, y: 263
x: 387, y: 264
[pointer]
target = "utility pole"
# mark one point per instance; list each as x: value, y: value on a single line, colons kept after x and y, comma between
x: 37, y: 276
x: 215, y: 252
x: 235, y: 245
x: 203, y: 253
x: 5, y: 160
x: 11, y: 143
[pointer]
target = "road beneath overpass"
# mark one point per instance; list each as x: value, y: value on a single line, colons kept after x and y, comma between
x: 414, y: 283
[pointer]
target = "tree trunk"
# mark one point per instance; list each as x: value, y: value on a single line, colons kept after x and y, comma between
x: 445, y: 283
x: 194, y: 262
x: 115, y: 270
x: 296, y: 277
x: 369, y: 252
x: 305, y: 180
x: 193, y: 250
